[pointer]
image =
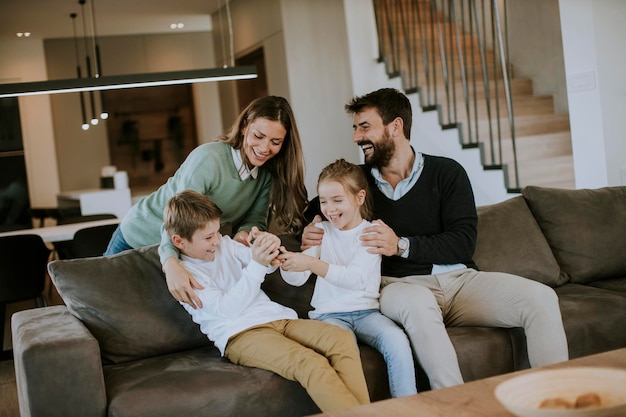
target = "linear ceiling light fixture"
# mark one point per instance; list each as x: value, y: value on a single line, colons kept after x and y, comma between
x: 116, y: 82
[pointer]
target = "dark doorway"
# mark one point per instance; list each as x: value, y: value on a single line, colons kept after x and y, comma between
x: 248, y: 90
x: 14, y: 197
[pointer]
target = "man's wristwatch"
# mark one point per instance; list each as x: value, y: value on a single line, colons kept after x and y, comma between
x: 403, y: 246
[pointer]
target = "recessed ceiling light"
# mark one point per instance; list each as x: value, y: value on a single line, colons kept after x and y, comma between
x: 177, y: 25
x: 23, y: 34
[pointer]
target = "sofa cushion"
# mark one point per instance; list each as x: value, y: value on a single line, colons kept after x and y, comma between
x: 124, y: 302
x: 199, y: 382
x: 509, y: 240
x: 617, y: 285
x: 585, y: 229
x: 594, y: 319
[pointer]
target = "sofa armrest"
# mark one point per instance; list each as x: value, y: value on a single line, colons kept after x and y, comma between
x: 58, y: 369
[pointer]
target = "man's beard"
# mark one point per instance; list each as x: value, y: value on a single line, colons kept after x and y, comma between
x: 382, y: 152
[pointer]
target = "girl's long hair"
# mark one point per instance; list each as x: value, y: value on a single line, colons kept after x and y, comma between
x: 288, y: 196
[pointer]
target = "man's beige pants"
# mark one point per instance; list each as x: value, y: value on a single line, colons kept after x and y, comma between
x: 425, y: 304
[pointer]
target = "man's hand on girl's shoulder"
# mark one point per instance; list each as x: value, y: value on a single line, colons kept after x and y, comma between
x: 380, y: 239
x: 312, y: 235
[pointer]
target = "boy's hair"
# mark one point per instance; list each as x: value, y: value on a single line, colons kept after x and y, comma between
x: 353, y: 180
x: 389, y: 103
x: 187, y: 212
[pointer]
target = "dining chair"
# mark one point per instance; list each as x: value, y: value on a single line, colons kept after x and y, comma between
x: 84, y: 218
x: 87, y: 242
x: 23, y: 263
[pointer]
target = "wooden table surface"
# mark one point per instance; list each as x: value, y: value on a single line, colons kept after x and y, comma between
x: 473, y: 399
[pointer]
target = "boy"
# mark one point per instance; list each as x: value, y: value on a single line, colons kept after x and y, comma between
x: 244, y: 324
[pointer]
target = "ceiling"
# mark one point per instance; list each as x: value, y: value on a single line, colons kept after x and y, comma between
x: 46, y: 19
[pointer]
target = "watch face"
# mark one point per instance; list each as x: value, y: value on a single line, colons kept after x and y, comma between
x: 402, y: 245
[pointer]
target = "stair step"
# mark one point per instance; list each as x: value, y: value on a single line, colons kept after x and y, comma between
x: 427, y: 40
x: 529, y: 148
x: 470, y: 62
x: 518, y: 87
x: 547, y: 172
x: 522, y: 106
x: 524, y: 126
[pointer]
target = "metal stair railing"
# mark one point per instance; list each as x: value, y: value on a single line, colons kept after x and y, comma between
x: 439, y: 47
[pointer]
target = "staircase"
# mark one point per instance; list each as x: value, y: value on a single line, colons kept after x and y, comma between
x: 453, y: 54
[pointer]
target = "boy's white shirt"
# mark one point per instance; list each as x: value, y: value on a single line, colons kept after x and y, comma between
x: 353, y: 279
x: 232, y: 299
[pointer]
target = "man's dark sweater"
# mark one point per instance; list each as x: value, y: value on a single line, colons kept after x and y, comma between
x: 438, y: 215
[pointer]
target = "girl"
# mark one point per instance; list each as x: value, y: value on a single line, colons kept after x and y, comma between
x: 252, y: 171
x: 348, y: 277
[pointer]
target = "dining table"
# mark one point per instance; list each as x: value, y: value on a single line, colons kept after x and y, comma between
x: 59, y: 233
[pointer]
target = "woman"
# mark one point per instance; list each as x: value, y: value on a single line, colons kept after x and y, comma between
x: 253, y: 171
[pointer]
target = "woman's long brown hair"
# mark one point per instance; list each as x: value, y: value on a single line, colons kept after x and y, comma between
x: 288, y: 196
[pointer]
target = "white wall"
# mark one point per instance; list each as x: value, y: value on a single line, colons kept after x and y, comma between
x: 609, y: 18
x: 23, y: 60
x: 593, y: 34
x: 249, y: 35
x: 319, y: 82
x: 208, y: 111
x: 538, y: 53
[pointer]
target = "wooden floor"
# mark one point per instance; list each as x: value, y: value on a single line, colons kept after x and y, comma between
x: 8, y: 391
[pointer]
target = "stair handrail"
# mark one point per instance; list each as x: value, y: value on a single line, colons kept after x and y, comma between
x: 436, y: 47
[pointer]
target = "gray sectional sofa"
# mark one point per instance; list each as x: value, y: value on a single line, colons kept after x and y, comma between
x: 122, y: 346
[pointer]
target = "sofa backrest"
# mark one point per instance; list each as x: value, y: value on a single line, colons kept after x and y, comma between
x: 585, y: 228
x: 124, y: 302
x: 510, y: 240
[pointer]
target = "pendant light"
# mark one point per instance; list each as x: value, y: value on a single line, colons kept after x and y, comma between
x: 85, y: 125
x: 94, y: 119
x: 96, y: 51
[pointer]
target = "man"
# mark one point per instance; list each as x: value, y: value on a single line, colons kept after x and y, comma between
x: 426, y: 230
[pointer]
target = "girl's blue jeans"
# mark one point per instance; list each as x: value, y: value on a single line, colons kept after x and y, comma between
x: 383, y: 334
